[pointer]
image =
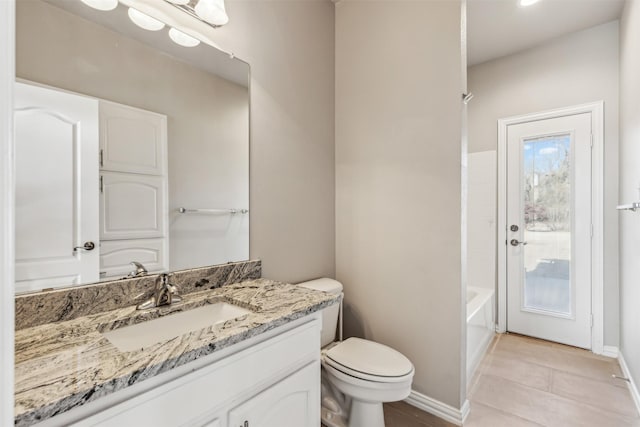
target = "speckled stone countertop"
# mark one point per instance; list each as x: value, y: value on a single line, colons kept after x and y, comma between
x: 63, y: 365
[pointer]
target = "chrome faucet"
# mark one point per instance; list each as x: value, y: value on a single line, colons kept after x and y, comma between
x: 139, y: 270
x: 164, y: 294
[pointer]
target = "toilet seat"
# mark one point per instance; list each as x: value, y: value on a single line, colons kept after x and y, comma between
x: 368, y: 360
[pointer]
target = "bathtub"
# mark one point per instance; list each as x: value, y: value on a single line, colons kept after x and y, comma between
x: 480, y: 325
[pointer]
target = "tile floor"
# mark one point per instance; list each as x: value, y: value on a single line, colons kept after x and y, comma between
x: 528, y: 382
x: 525, y: 382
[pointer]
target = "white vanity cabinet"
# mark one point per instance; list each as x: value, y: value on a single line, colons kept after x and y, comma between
x: 271, y: 380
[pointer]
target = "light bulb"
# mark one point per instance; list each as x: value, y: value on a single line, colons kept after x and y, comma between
x: 143, y: 20
x: 183, y: 39
x: 527, y: 2
x: 212, y: 11
x: 101, y: 4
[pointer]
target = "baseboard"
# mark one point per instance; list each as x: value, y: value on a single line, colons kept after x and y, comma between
x: 610, y: 351
x: 632, y: 385
x: 439, y: 409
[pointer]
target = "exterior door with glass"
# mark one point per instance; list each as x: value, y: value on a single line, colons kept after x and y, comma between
x: 549, y: 229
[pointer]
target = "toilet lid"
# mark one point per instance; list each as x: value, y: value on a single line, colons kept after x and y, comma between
x: 369, y: 358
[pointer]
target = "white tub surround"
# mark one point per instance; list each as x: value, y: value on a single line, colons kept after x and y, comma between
x: 64, y: 365
x: 480, y: 325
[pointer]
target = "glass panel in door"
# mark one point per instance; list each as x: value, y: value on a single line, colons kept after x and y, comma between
x: 547, y: 224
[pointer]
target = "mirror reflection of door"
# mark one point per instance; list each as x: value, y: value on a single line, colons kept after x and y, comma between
x: 57, y: 145
x: 198, y: 159
x: 549, y: 229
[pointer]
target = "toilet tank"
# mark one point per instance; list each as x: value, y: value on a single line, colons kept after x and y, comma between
x: 331, y: 313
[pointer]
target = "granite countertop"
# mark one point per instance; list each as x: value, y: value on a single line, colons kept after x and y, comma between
x: 63, y: 365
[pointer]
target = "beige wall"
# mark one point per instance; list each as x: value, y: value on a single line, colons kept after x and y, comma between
x: 290, y: 47
x: 629, y: 185
x: 579, y: 68
x: 398, y: 183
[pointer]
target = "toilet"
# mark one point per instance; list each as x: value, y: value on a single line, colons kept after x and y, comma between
x: 358, y: 375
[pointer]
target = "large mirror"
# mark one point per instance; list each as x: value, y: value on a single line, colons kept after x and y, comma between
x: 131, y: 146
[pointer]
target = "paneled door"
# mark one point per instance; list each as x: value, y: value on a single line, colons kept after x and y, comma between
x: 56, y: 188
x: 549, y: 229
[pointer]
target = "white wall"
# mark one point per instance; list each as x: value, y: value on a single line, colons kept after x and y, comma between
x: 574, y: 69
x: 481, y: 232
x: 629, y: 186
x: 398, y: 183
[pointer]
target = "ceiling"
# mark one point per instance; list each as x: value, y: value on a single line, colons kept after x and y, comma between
x: 497, y: 28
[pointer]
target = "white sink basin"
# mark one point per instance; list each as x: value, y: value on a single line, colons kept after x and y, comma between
x: 145, y: 334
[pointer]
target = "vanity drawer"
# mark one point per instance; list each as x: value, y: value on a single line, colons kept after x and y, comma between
x: 206, y: 395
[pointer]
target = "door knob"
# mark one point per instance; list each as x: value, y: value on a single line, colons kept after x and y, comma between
x: 88, y: 246
x: 515, y: 242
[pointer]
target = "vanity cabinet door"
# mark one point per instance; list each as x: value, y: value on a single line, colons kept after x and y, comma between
x: 292, y: 402
x: 132, y: 206
x: 132, y: 140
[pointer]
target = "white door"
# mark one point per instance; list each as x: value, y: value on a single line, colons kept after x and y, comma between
x: 116, y: 256
x: 549, y: 229
x: 56, y: 188
x: 132, y: 140
x: 132, y: 206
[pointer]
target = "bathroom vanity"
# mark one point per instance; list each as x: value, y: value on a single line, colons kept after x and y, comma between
x: 261, y: 367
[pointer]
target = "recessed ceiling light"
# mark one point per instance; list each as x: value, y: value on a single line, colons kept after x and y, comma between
x: 101, y: 4
x: 183, y: 39
x: 143, y: 20
x: 527, y: 2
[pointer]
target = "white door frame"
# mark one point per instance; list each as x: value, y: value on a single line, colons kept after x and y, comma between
x: 597, y: 213
x: 7, y: 297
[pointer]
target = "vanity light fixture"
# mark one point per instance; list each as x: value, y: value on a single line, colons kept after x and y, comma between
x: 104, y: 5
x: 524, y: 3
x: 183, y: 39
x: 211, y: 12
x: 144, y: 21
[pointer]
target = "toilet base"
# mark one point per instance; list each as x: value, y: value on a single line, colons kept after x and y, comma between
x: 366, y: 414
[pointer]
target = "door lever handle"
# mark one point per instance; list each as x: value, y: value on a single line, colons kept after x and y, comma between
x: 515, y: 242
x: 88, y: 246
